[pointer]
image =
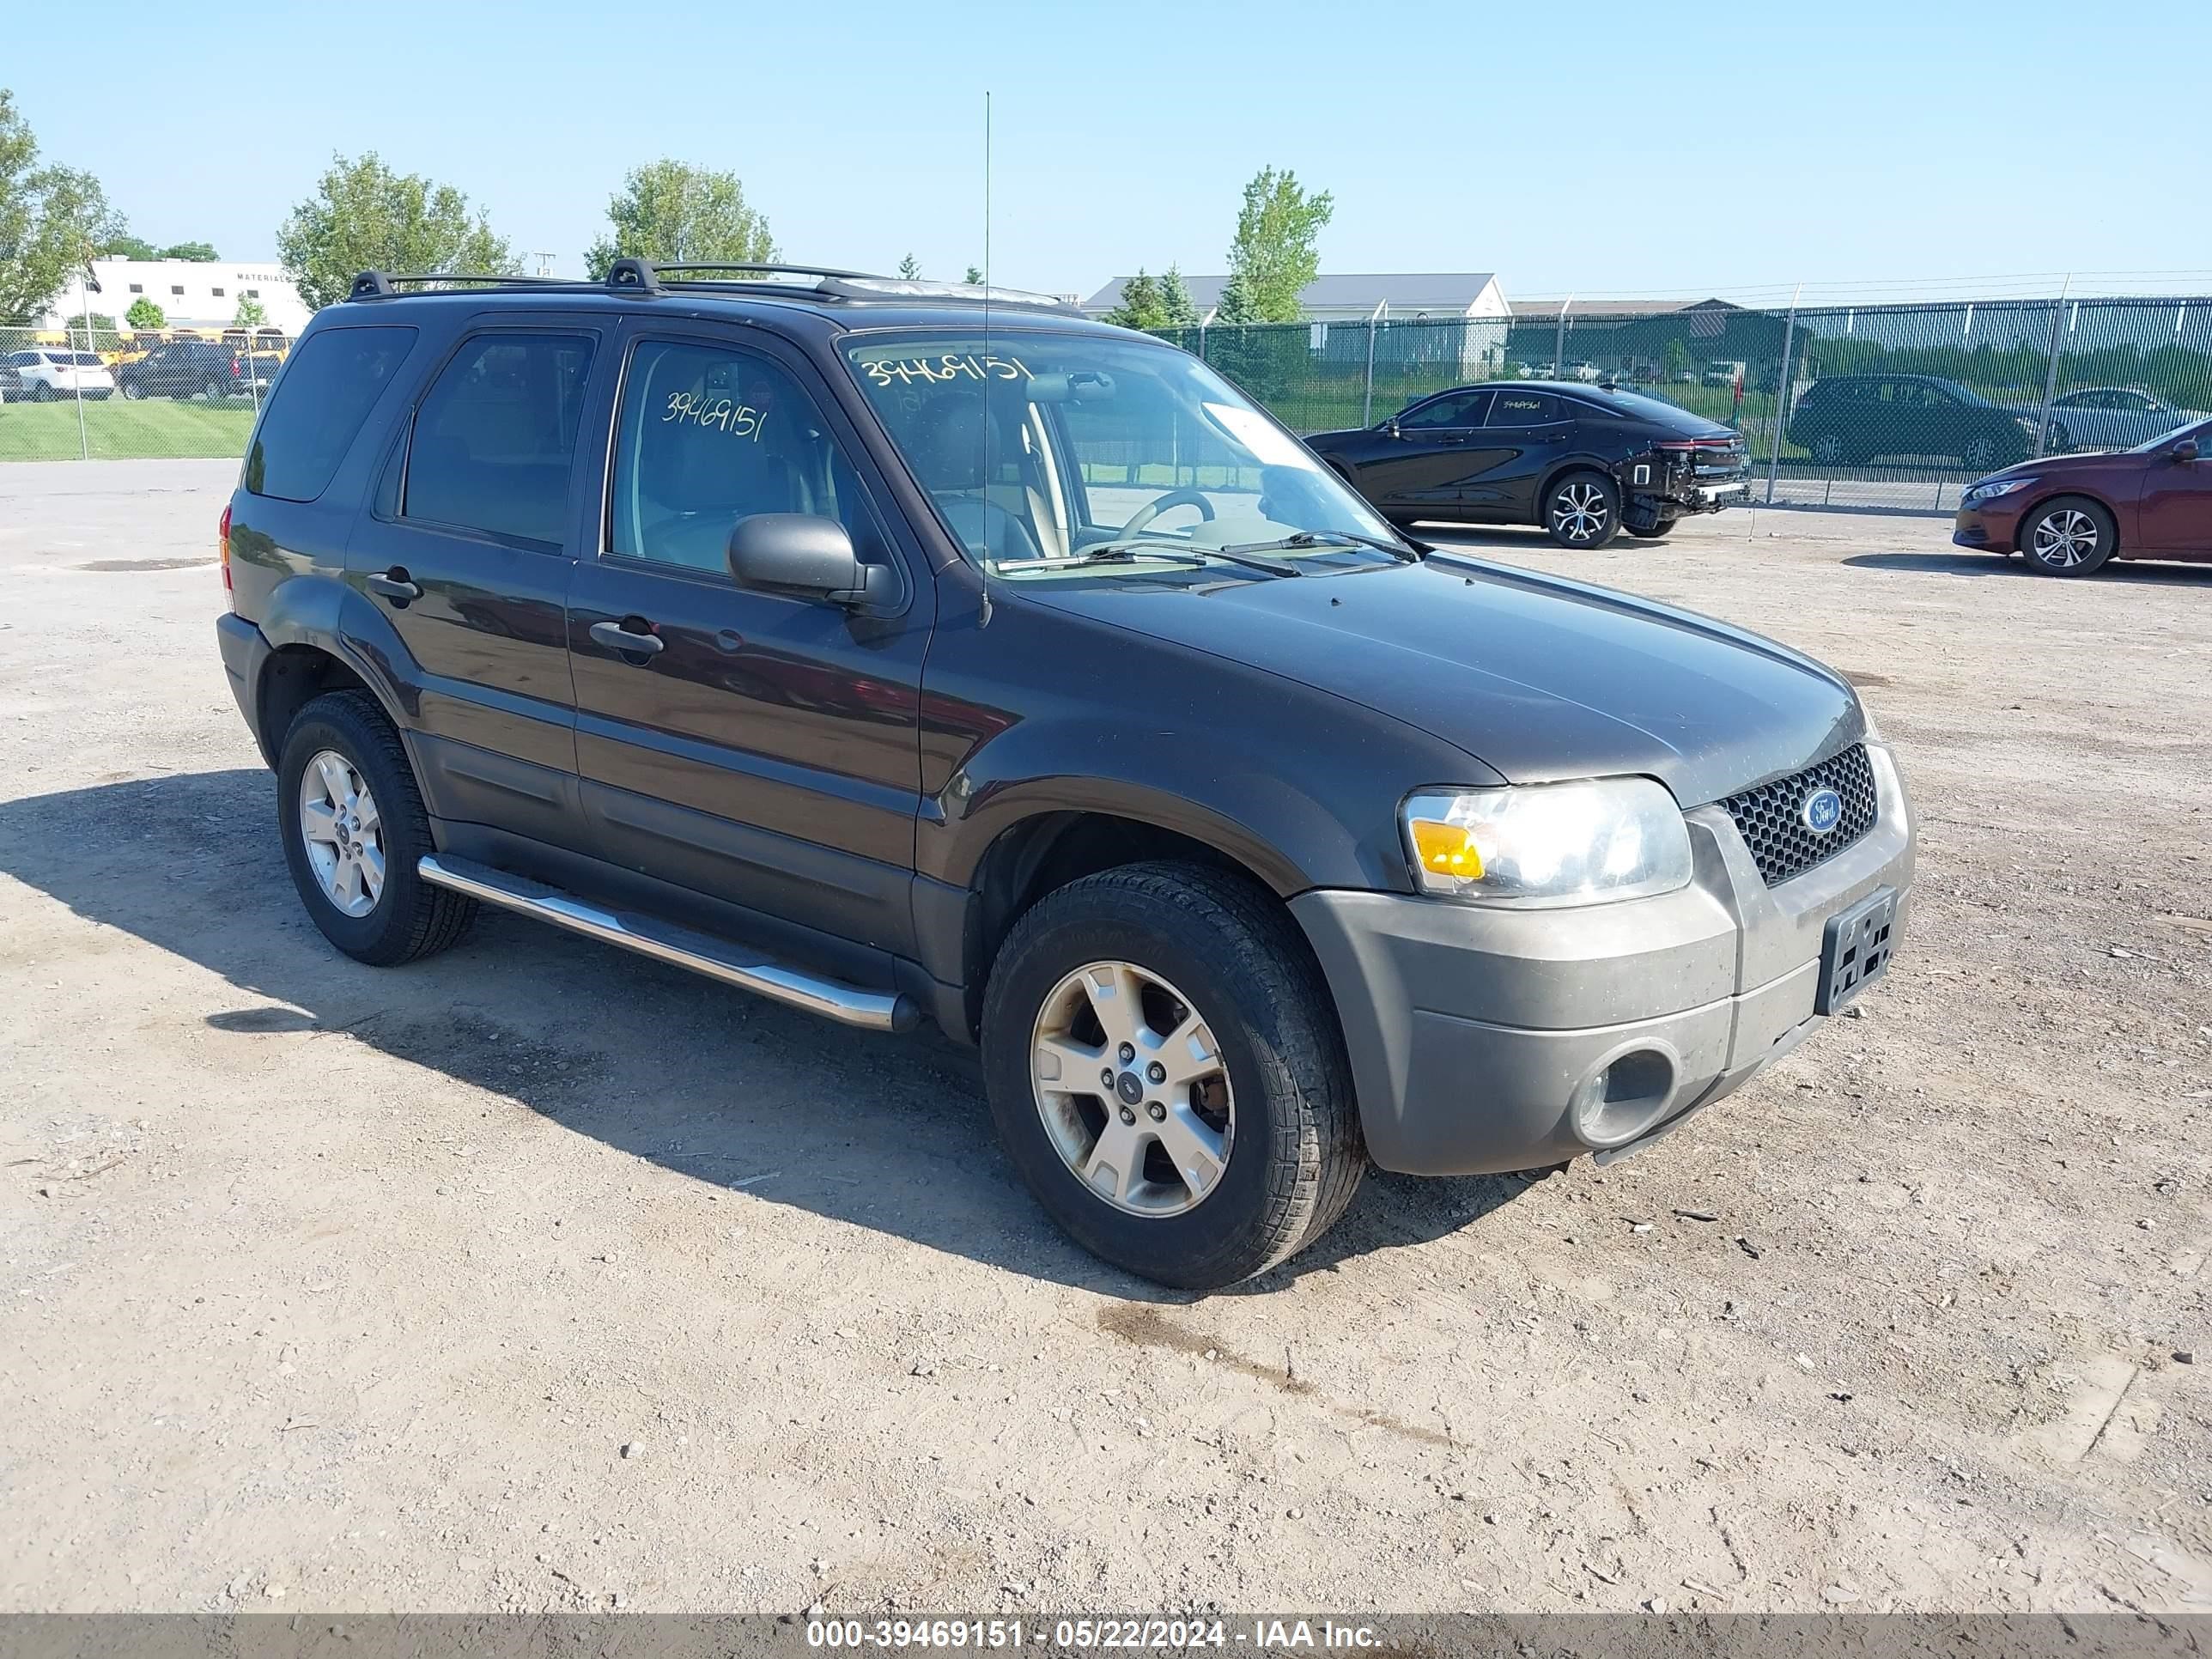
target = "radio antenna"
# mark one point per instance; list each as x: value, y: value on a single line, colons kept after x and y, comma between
x: 984, y: 508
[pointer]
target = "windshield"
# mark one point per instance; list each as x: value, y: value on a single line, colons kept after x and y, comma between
x: 1049, y: 453
x: 2186, y: 430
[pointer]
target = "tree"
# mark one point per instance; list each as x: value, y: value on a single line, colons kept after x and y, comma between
x: 673, y: 214
x: 250, y: 313
x: 52, y: 221
x: 1274, y: 250
x: 1235, y: 306
x: 127, y: 247
x: 1174, y: 300
x: 200, y: 254
x: 1140, y: 305
x: 1674, y: 360
x: 145, y: 316
x: 95, y: 333
x: 364, y: 216
x: 910, y: 268
x: 974, y: 274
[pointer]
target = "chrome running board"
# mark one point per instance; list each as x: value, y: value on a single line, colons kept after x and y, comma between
x: 664, y: 941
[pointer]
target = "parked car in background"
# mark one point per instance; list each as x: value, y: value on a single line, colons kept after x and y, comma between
x: 2068, y: 515
x: 11, y: 382
x: 1584, y: 462
x: 689, y: 615
x: 1848, y: 420
x: 1723, y: 372
x: 2110, y: 417
x: 52, y: 372
x: 194, y: 369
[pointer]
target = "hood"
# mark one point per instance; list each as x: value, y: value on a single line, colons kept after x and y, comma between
x: 1539, y: 677
x: 2051, y: 466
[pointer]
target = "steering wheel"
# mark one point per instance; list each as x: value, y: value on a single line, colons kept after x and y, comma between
x: 1159, y: 504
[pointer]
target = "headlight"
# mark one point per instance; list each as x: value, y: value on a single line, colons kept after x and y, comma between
x: 1990, y: 492
x: 1613, y: 838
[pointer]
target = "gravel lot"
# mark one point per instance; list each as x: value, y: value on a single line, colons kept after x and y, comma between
x: 538, y: 1276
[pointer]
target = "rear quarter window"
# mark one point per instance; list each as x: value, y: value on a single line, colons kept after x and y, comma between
x: 316, y: 411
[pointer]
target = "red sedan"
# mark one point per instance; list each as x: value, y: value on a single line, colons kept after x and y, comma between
x: 2067, y: 514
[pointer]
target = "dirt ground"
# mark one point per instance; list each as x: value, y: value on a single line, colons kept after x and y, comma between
x: 539, y: 1277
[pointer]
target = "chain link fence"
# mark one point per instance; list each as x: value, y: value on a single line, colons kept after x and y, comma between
x: 90, y: 391
x: 1892, y: 406
x: 1881, y: 405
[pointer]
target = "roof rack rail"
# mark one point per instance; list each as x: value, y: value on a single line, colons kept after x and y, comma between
x: 379, y: 284
x: 755, y: 270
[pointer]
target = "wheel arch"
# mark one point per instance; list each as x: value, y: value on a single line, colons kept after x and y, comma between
x: 1566, y: 467
x: 2120, y: 548
x: 1049, y: 849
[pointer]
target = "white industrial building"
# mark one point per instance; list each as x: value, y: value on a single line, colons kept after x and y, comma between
x: 192, y: 293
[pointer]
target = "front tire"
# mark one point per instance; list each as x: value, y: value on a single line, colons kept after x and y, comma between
x: 1664, y: 528
x: 1165, y: 1069
x: 133, y: 391
x: 353, y: 825
x: 2070, y: 536
x: 1583, y: 511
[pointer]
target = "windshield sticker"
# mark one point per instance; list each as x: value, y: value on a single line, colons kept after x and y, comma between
x: 1270, y: 445
x: 952, y: 366
x: 705, y: 409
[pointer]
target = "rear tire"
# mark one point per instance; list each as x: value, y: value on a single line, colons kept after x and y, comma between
x: 1582, y: 510
x: 404, y: 917
x: 2069, y: 536
x: 1203, y: 954
x: 132, y: 391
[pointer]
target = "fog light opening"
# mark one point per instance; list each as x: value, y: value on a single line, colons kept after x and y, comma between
x: 1622, y: 1098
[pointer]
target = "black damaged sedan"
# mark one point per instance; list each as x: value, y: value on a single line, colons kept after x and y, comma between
x: 1584, y: 462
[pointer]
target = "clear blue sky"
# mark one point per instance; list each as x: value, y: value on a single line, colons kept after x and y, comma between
x: 1608, y: 149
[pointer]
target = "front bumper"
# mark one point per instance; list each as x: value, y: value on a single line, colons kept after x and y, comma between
x: 1481, y: 1039
x: 1989, y: 529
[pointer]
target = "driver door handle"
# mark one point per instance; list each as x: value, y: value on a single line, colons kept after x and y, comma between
x: 394, y: 585
x: 615, y: 637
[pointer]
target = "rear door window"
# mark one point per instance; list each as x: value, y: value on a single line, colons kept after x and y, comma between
x: 1516, y: 409
x: 495, y: 437
x: 317, y: 409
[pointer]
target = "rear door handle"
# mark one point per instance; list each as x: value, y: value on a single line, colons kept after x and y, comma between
x: 395, y: 586
x: 615, y: 637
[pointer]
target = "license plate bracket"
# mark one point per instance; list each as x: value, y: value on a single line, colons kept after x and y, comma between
x: 1854, y: 950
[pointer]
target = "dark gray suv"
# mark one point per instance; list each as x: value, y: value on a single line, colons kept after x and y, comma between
x: 901, y: 652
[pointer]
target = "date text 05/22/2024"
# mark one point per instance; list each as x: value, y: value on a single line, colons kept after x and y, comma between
x: 1091, y: 1635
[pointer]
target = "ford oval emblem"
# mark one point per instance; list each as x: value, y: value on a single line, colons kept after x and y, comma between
x: 1823, y: 810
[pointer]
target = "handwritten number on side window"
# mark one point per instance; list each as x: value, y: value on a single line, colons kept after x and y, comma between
x: 739, y: 420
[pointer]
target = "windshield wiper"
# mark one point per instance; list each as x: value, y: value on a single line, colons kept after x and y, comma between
x: 1127, y: 552
x: 1304, y: 538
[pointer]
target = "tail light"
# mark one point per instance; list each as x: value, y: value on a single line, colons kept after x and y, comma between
x: 222, y: 552
x: 235, y: 371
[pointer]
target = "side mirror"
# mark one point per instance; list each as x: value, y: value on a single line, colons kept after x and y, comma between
x: 1391, y: 427
x: 807, y: 557
x: 2185, y: 450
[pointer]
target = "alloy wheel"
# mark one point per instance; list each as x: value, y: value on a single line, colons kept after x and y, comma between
x: 342, y: 832
x: 2065, y: 538
x: 1579, y: 512
x: 1131, y: 1089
